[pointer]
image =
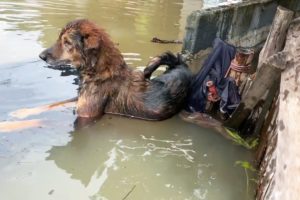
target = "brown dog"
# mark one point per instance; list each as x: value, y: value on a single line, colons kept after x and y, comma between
x: 108, y: 85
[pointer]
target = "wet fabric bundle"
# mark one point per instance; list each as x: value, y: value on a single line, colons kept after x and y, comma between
x: 213, y: 73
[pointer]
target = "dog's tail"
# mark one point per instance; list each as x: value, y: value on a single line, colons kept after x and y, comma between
x: 167, y: 58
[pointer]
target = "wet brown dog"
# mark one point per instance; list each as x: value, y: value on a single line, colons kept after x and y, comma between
x: 108, y: 85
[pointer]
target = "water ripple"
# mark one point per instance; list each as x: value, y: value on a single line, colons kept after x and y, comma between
x: 162, y: 148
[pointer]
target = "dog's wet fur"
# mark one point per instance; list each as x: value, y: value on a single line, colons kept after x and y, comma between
x: 108, y: 85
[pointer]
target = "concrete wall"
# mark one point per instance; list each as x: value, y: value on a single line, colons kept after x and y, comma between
x: 280, y: 169
x: 242, y: 24
x: 290, y: 4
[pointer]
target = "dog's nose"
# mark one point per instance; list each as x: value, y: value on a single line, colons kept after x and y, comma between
x: 46, y: 54
x: 43, y: 56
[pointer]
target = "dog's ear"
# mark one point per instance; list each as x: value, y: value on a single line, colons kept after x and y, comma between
x: 91, y: 42
x: 91, y: 45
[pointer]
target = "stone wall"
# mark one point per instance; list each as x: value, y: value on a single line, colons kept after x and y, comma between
x: 290, y: 4
x: 242, y: 24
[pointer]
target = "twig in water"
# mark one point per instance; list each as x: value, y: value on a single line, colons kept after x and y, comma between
x: 125, y: 197
x: 157, y: 40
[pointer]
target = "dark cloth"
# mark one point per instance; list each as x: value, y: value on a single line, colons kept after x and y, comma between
x: 230, y: 97
x: 214, y: 69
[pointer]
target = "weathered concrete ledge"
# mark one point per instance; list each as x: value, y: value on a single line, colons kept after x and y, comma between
x: 242, y: 24
x: 279, y: 171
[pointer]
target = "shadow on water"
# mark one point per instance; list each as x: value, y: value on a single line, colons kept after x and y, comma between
x: 66, y: 70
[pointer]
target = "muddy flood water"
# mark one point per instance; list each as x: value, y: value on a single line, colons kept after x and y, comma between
x: 117, y: 158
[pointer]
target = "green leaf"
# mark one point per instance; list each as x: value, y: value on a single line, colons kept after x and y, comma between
x: 239, y: 140
x: 245, y: 165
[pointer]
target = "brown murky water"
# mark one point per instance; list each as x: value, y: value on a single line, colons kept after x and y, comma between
x: 116, y: 158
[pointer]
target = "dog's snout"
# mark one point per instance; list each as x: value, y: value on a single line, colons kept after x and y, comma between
x: 43, y: 55
x: 46, y: 55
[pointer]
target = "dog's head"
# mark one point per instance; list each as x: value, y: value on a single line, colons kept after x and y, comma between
x: 78, y: 44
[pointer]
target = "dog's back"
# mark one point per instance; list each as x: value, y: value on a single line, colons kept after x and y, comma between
x: 154, y: 99
x: 168, y: 92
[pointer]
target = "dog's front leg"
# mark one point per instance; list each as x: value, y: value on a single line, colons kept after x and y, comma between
x: 89, y: 110
x: 91, y: 106
x: 82, y: 122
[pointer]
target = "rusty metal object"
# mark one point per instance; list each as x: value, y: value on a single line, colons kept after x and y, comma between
x: 212, y: 96
x: 212, y: 92
x: 240, y: 65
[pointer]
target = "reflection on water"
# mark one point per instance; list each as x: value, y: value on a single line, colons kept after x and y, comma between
x: 131, y: 24
x: 162, y: 161
x: 116, y: 156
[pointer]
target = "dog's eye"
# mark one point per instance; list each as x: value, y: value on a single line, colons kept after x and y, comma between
x: 67, y: 43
